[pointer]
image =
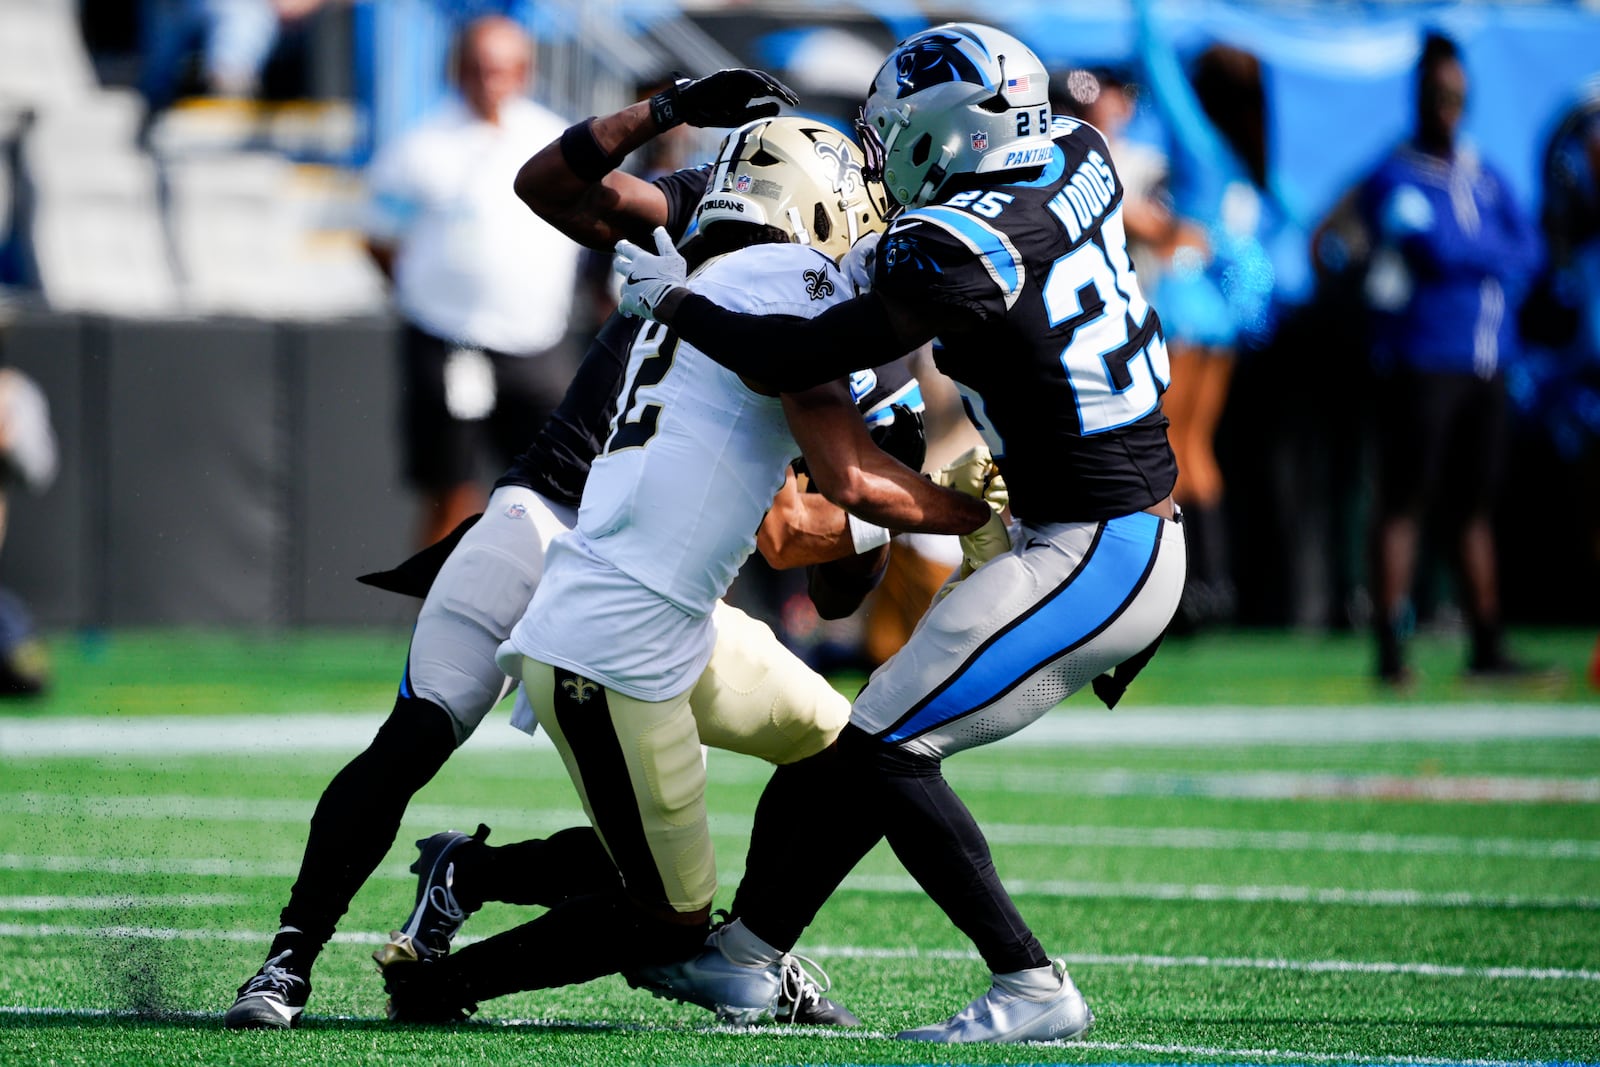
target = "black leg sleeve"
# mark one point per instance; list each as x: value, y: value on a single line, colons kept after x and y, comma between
x: 937, y: 839
x: 581, y: 939
x: 359, y: 814
x: 567, y: 864
x: 813, y: 824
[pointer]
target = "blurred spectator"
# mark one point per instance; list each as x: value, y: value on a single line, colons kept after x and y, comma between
x: 1219, y: 282
x: 1171, y: 256
x: 235, y: 38
x: 1106, y: 98
x: 485, y: 287
x: 27, y: 460
x: 1557, y: 381
x: 1554, y: 385
x: 1451, y: 258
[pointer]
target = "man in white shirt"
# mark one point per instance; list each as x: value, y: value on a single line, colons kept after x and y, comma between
x: 484, y: 286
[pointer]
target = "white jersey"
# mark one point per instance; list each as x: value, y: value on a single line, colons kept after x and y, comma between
x: 673, y: 502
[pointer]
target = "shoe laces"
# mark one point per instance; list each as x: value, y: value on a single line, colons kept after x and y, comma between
x: 797, y: 985
x: 273, y: 978
x: 442, y: 898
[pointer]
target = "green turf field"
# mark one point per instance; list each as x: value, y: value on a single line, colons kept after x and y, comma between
x: 1258, y: 858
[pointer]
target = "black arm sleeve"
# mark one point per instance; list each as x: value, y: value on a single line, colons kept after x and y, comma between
x: 683, y: 190
x: 788, y: 352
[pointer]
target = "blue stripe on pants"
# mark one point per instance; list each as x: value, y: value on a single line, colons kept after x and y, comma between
x: 1094, y: 595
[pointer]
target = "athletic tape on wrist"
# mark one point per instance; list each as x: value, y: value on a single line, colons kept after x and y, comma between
x: 583, y: 153
x: 865, y: 536
x: 664, y: 108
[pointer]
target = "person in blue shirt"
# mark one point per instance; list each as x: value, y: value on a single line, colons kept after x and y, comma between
x: 1452, y: 254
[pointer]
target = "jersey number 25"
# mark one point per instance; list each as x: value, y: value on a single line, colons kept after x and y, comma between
x: 1093, y: 291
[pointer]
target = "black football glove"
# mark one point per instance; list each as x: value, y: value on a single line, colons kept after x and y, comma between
x: 720, y: 99
x: 903, y: 437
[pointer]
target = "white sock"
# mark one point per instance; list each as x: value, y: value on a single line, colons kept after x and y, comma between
x: 743, y: 947
x: 1035, y: 983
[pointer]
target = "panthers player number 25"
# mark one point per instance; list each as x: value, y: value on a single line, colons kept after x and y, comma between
x: 1094, y: 291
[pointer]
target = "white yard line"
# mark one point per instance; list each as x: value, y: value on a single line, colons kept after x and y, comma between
x: 783, y: 1032
x: 121, y: 902
x: 1249, y: 894
x: 1081, y: 725
x: 1429, y: 970
x: 1204, y: 838
x: 1280, y: 785
x: 167, y: 738
x: 513, y: 822
x: 903, y: 884
x: 1372, y: 967
x: 131, y: 865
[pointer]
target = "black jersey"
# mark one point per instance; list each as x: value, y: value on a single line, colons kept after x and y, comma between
x: 556, y: 464
x: 1065, y: 365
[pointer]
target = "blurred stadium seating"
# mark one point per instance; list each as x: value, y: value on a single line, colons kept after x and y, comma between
x: 229, y: 226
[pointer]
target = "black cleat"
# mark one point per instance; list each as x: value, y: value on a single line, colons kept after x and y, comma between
x: 801, y: 1003
x: 427, y: 931
x: 417, y: 995
x: 271, y: 1000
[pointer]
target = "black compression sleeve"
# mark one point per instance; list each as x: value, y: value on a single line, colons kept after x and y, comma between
x: 787, y: 352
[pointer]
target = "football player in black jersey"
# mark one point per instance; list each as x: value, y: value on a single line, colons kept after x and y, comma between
x: 477, y: 582
x: 1010, y: 252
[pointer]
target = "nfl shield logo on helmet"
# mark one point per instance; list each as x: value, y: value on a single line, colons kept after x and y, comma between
x: 742, y: 183
x: 980, y: 141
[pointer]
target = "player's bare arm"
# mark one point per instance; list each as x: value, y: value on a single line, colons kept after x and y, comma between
x: 595, y: 212
x: 573, y: 184
x: 801, y: 529
x: 806, y: 530
x: 857, y: 475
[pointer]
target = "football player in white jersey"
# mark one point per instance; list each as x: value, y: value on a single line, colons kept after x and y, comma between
x: 477, y: 583
x: 626, y: 657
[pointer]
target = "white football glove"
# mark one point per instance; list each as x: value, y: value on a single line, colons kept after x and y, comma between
x: 991, y: 539
x: 647, y: 279
x: 975, y: 474
x: 857, y: 264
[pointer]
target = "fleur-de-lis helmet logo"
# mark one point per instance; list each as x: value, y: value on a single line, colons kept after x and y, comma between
x: 846, y: 172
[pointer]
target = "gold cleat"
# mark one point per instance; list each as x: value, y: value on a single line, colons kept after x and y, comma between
x: 399, y: 949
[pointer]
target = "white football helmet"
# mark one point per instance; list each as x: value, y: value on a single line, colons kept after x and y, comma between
x: 955, y: 99
x: 798, y: 175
